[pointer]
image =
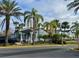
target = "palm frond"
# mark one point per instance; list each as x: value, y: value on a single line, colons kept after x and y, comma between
x: 18, y: 17
x: 3, y: 13
x: 40, y: 24
x: 16, y: 14
x: 74, y: 4
x: 22, y: 24
x: 76, y: 9
x: 15, y: 23
x: 34, y: 10
x: 40, y: 17
x: 9, y: 7
x: 16, y: 9
x: 13, y: 4
x: 27, y: 12
x: 28, y: 17
x: 2, y: 24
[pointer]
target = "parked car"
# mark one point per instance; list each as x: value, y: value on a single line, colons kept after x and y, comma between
x: 11, y: 40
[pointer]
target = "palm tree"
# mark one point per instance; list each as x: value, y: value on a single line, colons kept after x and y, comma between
x: 46, y: 26
x: 65, y: 25
x: 9, y: 8
x: 75, y: 5
x: 52, y: 26
x: 75, y: 29
x: 55, y: 24
x: 35, y: 17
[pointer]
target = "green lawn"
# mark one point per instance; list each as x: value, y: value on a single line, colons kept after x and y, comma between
x: 39, y: 45
x: 71, y: 42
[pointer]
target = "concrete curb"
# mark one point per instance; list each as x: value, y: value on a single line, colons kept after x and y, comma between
x: 31, y: 46
x: 36, y: 46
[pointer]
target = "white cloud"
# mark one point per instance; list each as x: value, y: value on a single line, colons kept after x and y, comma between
x: 52, y: 8
x: 49, y: 8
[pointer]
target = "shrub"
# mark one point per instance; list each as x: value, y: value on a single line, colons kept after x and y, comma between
x: 40, y: 36
x: 56, y: 38
x: 45, y: 37
x: 65, y: 35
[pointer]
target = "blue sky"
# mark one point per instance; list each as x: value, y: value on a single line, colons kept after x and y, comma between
x: 50, y: 9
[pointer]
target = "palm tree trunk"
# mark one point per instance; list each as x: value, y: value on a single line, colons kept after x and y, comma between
x: 34, y: 31
x: 27, y: 25
x: 55, y: 31
x: 64, y: 31
x: 33, y: 37
x: 38, y: 34
x: 7, y: 29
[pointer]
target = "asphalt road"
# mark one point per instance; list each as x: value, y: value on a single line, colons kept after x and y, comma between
x: 44, y: 52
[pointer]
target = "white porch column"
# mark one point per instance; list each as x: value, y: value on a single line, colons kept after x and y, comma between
x: 21, y: 38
